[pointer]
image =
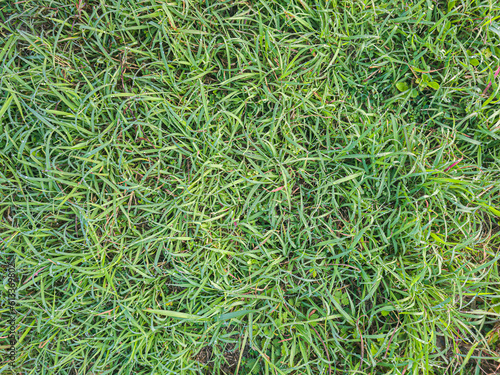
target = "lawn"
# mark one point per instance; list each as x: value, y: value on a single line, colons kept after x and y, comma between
x: 251, y: 187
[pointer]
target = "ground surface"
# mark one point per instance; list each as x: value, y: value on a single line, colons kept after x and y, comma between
x: 252, y: 187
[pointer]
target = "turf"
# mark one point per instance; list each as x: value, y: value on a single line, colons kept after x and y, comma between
x: 251, y: 187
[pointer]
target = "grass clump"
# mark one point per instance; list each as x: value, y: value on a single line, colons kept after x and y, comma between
x: 281, y: 187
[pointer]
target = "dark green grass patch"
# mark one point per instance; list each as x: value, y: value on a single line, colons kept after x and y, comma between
x: 268, y: 187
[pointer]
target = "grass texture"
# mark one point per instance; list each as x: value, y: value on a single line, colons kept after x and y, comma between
x: 251, y: 187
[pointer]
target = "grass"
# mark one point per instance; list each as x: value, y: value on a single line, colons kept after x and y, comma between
x: 251, y: 187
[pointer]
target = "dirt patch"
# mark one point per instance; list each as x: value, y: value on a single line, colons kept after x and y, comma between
x: 486, y: 364
x: 231, y: 354
x: 489, y: 227
x: 204, y: 356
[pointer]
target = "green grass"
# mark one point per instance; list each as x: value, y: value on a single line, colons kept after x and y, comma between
x: 251, y: 187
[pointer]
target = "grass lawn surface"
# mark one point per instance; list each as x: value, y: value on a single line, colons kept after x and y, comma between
x: 251, y: 187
